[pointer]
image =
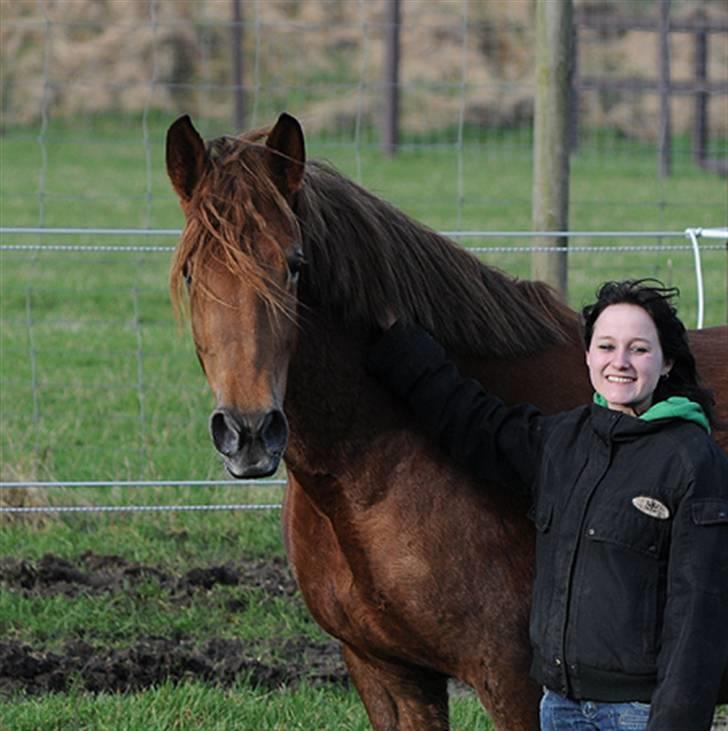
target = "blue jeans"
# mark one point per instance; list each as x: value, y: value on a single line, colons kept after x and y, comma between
x: 562, y: 714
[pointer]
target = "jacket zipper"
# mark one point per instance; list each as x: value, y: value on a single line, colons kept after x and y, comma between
x: 572, y: 561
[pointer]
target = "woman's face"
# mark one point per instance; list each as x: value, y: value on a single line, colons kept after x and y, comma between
x: 625, y: 358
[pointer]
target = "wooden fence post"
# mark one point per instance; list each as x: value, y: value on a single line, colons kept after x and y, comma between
x: 700, y: 120
x: 664, y: 152
x: 390, y: 117
x: 236, y: 32
x: 574, y: 91
x: 554, y: 34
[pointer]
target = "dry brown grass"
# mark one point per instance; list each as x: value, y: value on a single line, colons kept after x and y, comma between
x: 83, y: 56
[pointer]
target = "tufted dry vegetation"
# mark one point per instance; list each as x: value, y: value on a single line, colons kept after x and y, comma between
x: 324, y: 59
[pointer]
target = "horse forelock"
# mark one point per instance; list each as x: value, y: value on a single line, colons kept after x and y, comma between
x: 225, y: 223
x: 367, y: 259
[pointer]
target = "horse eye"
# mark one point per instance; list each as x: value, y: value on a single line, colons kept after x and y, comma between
x: 187, y: 275
x: 295, y: 262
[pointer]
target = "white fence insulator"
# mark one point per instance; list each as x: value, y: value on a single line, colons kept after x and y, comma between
x: 694, y: 234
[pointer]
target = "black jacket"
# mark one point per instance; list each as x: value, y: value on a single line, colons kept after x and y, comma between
x: 630, y: 600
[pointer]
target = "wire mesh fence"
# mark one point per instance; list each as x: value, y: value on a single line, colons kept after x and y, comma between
x: 101, y: 392
x: 97, y: 380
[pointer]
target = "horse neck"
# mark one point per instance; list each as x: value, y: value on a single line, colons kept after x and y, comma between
x: 336, y: 411
x: 329, y: 397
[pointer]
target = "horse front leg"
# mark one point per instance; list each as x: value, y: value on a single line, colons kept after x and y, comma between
x: 398, y: 697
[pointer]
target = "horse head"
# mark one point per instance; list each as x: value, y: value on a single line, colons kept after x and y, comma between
x: 239, y: 258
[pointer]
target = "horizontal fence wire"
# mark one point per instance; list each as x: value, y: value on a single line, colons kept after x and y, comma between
x: 138, y: 508
x: 30, y: 509
x: 141, y: 483
x: 93, y: 248
x: 692, y: 234
x: 50, y: 231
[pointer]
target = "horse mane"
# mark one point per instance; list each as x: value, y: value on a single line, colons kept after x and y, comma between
x: 363, y: 258
x: 366, y: 258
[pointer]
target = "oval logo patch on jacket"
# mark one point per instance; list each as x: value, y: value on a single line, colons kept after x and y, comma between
x: 652, y: 507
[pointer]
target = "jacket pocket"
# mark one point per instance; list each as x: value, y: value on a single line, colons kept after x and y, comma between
x: 710, y: 512
x: 631, y: 530
x: 709, y: 556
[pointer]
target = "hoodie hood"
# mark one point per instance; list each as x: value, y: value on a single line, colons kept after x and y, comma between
x: 675, y: 407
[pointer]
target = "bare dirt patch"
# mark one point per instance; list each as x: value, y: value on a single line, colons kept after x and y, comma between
x: 149, y: 661
x: 93, y: 573
x: 153, y: 660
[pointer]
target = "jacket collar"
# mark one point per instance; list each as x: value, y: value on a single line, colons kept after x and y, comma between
x: 674, y: 407
x: 610, y: 425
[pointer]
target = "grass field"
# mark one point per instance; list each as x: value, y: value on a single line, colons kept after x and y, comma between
x: 195, y: 706
x: 98, y: 383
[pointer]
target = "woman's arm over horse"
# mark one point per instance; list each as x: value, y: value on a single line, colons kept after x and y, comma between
x: 491, y: 440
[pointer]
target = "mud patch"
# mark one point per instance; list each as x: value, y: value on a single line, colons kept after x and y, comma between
x: 93, y: 573
x: 153, y: 660
x: 149, y: 661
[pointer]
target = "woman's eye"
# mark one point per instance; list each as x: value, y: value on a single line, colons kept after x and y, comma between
x: 604, y: 346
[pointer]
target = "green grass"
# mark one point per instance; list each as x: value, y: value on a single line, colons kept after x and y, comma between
x: 175, y: 540
x: 120, y: 619
x: 195, y: 706
x: 97, y: 382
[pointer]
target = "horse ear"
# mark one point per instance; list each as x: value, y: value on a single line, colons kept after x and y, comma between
x: 185, y: 157
x: 287, y: 156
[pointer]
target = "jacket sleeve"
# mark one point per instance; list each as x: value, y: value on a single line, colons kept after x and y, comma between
x: 482, y: 434
x: 694, y: 653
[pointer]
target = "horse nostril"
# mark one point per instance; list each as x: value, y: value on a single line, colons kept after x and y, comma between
x: 225, y: 433
x: 234, y: 433
x: 274, y: 431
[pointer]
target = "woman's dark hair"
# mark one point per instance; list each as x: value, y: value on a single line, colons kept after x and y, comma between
x: 653, y: 297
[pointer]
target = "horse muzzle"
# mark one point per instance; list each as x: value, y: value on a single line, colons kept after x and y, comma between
x: 252, y: 443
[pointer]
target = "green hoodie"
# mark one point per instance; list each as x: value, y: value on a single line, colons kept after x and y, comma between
x: 675, y: 407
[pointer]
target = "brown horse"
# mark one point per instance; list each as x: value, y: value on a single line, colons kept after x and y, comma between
x: 419, y: 572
